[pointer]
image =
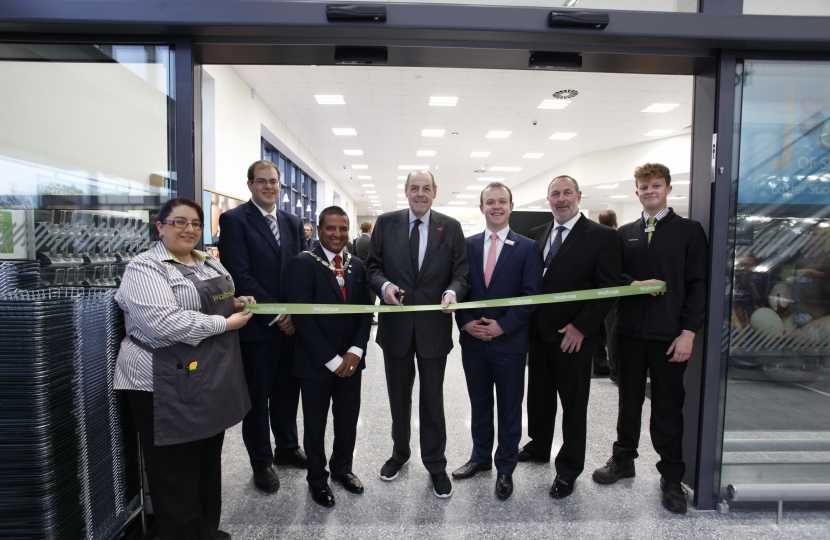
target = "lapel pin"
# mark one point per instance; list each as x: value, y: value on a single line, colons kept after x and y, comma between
x: 439, y: 229
x: 509, y: 242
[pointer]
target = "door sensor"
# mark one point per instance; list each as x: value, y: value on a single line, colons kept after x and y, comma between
x: 587, y: 20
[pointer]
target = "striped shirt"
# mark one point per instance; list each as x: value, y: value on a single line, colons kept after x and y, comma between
x: 660, y: 215
x: 161, y: 308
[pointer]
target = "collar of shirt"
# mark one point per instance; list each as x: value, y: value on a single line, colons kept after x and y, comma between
x: 331, y: 255
x: 660, y: 215
x: 568, y: 224
x: 197, y: 256
x: 264, y: 213
x: 424, y: 219
x: 502, y: 234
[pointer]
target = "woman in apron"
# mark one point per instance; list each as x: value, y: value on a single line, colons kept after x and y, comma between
x: 181, y: 370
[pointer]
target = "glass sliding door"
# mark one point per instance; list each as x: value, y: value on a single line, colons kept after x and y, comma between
x: 85, y: 155
x: 776, y: 408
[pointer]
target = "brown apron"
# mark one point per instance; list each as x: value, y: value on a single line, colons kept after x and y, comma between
x: 199, y: 391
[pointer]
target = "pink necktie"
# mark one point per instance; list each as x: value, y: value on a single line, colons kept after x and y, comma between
x: 491, y: 259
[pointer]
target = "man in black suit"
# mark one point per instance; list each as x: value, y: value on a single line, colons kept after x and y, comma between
x: 418, y: 257
x: 258, y: 240
x: 578, y: 254
x: 330, y: 352
x: 362, y: 244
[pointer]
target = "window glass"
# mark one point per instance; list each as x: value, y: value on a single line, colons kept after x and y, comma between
x: 787, y: 7
x: 620, y: 5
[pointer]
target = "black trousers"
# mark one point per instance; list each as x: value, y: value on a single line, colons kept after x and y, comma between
x: 275, y: 398
x: 344, y: 396
x: 611, y: 340
x: 637, y: 358
x: 552, y: 372
x: 400, y: 379
x: 185, y: 480
x: 484, y: 369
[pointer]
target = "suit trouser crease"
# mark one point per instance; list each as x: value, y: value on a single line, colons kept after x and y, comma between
x: 275, y: 398
x: 552, y: 372
x: 483, y: 370
x: 184, y: 480
x: 400, y: 380
x: 638, y: 360
x: 344, y: 396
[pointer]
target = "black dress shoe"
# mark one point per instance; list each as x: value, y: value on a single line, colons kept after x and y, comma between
x: 267, y: 480
x: 526, y: 454
x: 296, y: 458
x: 614, y: 469
x: 222, y: 535
x: 674, y: 498
x: 469, y: 469
x: 322, y: 495
x: 504, y: 486
x: 350, y: 482
x: 441, y: 485
x: 562, y: 487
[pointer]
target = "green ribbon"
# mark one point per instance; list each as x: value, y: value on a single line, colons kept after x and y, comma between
x: 572, y: 296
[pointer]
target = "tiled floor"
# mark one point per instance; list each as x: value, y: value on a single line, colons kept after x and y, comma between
x: 405, y: 508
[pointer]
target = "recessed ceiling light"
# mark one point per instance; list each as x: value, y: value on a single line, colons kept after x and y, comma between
x: 499, y: 134
x: 365, y: 178
x: 489, y: 179
x: 353, y: 152
x: 676, y: 197
x: 457, y: 202
x: 562, y: 136
x: 330, y: 100
x: 432, y: 133
x: 466, y: 196
x: 446, y: 101
x: 412, y: 168
x: 506, y: 169
x: 374, y: 197
x: 532, y: 155
x: 426, y: 153
x: 608, y: 186
x: 344, y: 131
x: 401, y: 195
x: 401, y: 186
x: 480, y: 154
x: 360, y: 166
x: 554, y: 104
x: 474, y: 188
x: 371, y: 190
x: 401, y: 178
x: 403, y: 206
x: 660, y: 107
x: 376, y: 204
x: 618, y: 197
x: 680, y: 183
x: 367, y: 185
x: 659, y: 132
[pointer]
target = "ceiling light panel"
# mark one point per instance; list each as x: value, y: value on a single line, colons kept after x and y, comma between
x: 442, y: 101
x: 365, y: 178
x: 466, y: 196
x: 426, y: 153
x: 353, y: 152
x: 371, y: 190
x: 661, y: 107
x: 366, y: 185
x: 554, y: 104
x: 344, y: 131
x: 457, y: 202
x: 480, y: 154
x: 401, y: 178
x: 412, y: 168
x: 374, y: 197
x: 532, y: 155
x: 680, y: 183
x: 608, y: 186
x: 490, y: 179
x: 506, y: 169
x: 659, y: 132
x: 618, y: 197
x: 330, y: 100
x: 474, y: 188
x: 498, y: 134
x: 562, y: 136
x: 360, y: 166
x: 432, y: 133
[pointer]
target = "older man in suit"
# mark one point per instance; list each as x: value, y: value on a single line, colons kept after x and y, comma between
x: 418, y: 257
x: 258, y: 240
x: 493, y: 341
x: 330, y: 351
x: 579, y: 254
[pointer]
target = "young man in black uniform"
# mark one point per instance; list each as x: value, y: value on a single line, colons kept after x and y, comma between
x: 655, y: 333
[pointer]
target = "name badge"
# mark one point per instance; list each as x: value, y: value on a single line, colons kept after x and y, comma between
x: 650, y: 229
x: 509, y: 242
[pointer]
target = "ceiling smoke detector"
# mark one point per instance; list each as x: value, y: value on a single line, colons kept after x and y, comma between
x: 565, y: 94
x: 478, y: 171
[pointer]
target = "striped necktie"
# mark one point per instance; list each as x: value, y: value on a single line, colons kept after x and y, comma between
x: 555, y: 245
x: 272, y: 222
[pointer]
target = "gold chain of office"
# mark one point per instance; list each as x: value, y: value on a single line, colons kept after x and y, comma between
x: 339, y: 273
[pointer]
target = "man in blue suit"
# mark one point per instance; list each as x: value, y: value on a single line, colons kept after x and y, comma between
x: 494, y: 345
x: 330, y: 352
x: 257, y: 242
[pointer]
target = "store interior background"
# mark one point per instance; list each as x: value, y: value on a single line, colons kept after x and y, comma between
x: 615, y: 123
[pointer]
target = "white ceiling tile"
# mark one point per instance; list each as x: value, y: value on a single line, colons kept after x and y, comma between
x: 253, y: 74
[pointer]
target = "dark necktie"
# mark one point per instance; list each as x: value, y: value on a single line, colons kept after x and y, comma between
x: 554, y: 247
x: 338, y: 271
x: 415, y: 246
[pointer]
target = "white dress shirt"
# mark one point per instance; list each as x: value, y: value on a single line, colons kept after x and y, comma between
x: 568, y: 226
x: 335, y: 362
x: 499, y: 245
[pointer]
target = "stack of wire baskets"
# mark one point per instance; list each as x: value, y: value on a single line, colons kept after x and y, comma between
x: 69, y: 457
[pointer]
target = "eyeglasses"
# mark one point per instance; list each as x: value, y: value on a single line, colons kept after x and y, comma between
x: 182, y: 223
x: 261, y: 182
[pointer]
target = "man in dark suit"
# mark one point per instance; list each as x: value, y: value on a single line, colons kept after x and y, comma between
x: 493, y: 341
x: 258, y: 241
x: 362, y: 244
x: 418, y: 257
x: 330, y: 352
x: 579, y: 254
